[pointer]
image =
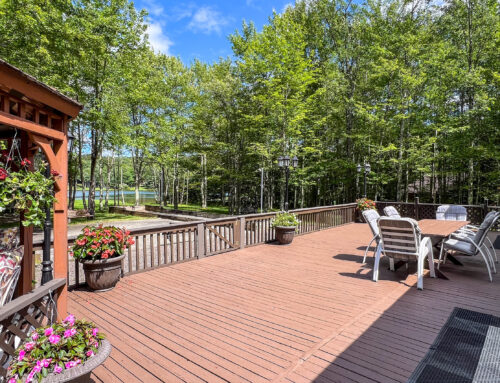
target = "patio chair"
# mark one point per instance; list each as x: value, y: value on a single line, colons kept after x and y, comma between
x: 390, y: 211
x: 400, y: 240
x: 471, y: 230
x: 451, y: 213
x: 371, y: 217
x: 473, y: 245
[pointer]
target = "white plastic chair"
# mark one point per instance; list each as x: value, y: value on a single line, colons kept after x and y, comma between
x: 390, y: 211
x: 473, y: 245
x: 451, y: 213
x: 401, y: 240
x: 371, y: 216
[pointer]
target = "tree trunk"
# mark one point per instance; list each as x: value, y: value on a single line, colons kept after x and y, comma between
x: 176, y: 183
x: 80, y: 165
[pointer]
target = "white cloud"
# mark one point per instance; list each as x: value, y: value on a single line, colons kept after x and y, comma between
x: 207, y: 20
x: 154, y: 8
x: 158, y: 40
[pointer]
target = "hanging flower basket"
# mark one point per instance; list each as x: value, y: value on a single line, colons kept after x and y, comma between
x: 25, y: 188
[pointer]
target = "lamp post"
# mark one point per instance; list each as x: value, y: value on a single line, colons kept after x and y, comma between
x: 367, y: 169
x: 284, y: 162
x: 47, y: 227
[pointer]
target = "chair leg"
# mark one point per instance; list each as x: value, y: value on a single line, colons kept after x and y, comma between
x: 490, y: 257
x: 441, y: 254
x: 487, y: 263
x: 366, y: 251
x: 430, y: 258
x: 376, y: 264
x: 420, y: 273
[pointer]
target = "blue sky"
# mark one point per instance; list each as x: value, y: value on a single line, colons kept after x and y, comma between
x: 199, y: 29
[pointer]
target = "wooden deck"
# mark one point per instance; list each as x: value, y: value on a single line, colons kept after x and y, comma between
x: 304, y: 312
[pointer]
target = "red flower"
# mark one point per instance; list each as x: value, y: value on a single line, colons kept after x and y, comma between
x: 55, y: 173
x: 3, y: 174
x: 130, y: 241
x: 25, y: 162
x: 81, y: 242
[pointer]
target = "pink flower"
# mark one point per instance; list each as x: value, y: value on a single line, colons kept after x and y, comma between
x: 22, y: 353
x: 49, y: 331
x: 37, y: 368
x: 29, y: 346
x: 72, y: 364
x: 46, y: 362
x: 89, y: 353
x: 13, y: 379
x: 70, y: 319
x: 95, y: 331
x: 30, y: 376
x: 54, y: 339
x: 57, y: 369
x: 34, y: 336
x: 69, y: 333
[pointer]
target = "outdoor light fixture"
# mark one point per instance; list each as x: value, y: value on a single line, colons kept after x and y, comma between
x: 368, y: 169
x: 71, y: 138
x: 284, y: 162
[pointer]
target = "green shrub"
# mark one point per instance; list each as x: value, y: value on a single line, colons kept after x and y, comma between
x: 285, y: 219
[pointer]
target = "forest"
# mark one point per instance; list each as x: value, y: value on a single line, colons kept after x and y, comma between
x: 410, y: 87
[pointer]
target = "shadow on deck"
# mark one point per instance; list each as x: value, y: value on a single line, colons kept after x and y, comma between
x: 304, y: 312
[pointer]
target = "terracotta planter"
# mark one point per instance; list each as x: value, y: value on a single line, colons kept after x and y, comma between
x: 102, y: 274
x: 285, y: 234
x: 81, y: 374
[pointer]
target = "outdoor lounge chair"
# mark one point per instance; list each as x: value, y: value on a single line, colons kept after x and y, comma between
x: 371, y: 216
x: 390, y: 211
x: 473, y: 244
x: 471, y: 230
x: 401, y: 241
x: 451, y: 213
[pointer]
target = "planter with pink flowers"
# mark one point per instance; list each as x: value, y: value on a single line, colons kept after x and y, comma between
x: 62, y: 352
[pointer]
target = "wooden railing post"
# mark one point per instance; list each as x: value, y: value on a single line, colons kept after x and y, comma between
x: 242, y: 233
x: 417, y: 199
x: 200, y: 246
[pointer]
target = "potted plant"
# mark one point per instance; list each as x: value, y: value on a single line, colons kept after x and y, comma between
x: 25, y: 188
x: 362, y: 205
x: 285, y: 224
x: 61, y: 352
x: 101, y: 249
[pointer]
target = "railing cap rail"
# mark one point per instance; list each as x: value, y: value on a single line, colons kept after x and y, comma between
x: 25, y: 300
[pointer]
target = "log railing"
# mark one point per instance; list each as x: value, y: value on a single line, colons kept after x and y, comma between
x: 21, y: 315
x: 177, y: 243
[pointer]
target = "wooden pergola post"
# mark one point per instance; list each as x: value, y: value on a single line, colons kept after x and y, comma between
x: 41, y: 114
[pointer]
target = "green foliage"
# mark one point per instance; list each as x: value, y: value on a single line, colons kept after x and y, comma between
x: 101, y: 242
x: 365, y: 204
x: 53, y: 349
x: 27, y: 191
x: 285, y: 219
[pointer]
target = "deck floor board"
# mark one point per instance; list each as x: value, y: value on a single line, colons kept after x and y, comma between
x: 299, y: 313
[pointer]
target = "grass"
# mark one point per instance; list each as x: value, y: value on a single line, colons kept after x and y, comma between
x: 208, y: 209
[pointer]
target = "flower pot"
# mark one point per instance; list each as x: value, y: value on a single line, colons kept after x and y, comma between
x: 81, y: 373
x: 102, y: 274
x: 285, y: 234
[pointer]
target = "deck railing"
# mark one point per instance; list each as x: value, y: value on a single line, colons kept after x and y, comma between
x: 183, y: 242
x: 21, y: 315
x: 418, y: 210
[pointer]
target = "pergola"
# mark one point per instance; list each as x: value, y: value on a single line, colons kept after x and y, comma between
x: 40, y: 114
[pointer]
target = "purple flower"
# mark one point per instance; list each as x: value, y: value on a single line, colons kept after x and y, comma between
x: 69, y: 333
x: 70, y: 319
x: 34, y: 336
x: 54, y: 339
x: 29, y: 346
x: 57, y: 369
x: 95, y: 331
x: 49, y: 331
x: 21, y: 355
x: 89, y: 353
